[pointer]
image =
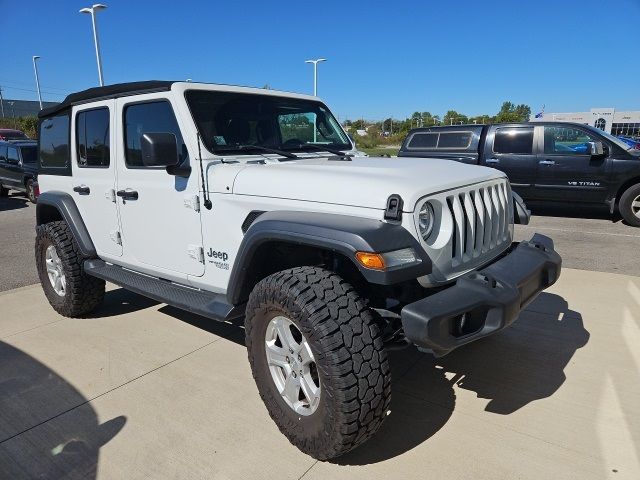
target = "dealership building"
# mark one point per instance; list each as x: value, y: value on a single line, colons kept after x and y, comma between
x: 610, y: 120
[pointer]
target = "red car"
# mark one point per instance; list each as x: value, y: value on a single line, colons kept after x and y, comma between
x: 11, y: 134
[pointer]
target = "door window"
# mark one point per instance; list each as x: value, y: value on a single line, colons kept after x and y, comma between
x: 516, y: 141
x: 149, y: 117
x: 559, y: 140
x: 12, y: 155
x: 3, y: 153
x: 92, y: 137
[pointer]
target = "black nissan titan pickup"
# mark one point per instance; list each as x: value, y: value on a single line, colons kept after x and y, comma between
x: 545, y: 161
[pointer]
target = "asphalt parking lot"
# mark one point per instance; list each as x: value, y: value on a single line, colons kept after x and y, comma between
x: 143, y: 390
x: 587, y: 239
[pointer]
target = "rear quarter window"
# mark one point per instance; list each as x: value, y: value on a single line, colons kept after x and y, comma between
x: 53, y: 144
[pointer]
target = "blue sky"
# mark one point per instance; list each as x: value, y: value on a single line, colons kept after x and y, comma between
x: 384, y: 58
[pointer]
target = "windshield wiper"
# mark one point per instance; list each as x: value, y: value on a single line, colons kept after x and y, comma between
x: 242, y: 148
x: 321, y: 148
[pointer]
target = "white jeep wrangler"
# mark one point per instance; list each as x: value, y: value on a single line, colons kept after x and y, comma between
x: 230, y: 201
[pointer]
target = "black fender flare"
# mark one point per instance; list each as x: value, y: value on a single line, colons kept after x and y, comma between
x: 342, y: 234
x: 68, y: 210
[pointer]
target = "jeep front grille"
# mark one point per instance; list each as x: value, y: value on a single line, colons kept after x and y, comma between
x: 481, y: 220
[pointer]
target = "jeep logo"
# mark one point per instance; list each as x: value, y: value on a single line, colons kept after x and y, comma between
x: 221, y: 255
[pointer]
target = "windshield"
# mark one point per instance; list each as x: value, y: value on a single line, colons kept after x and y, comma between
x: 611, y: 138
x: 29, y: 154
x: 228, y: 121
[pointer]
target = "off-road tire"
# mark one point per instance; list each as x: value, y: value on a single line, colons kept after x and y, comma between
x: 347, y: 345
x: 4, y: 192
x: 625, y: 205
x: 30, y: 192
x: 83, y: 293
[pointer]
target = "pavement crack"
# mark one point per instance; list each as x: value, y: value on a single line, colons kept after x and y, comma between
x: 307, y: 470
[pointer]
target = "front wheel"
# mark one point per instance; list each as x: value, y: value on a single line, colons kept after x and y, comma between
x: 629, y: 205
x: 318, y: 359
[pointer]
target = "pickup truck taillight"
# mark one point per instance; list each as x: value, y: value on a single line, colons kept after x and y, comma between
x: 36, y: 190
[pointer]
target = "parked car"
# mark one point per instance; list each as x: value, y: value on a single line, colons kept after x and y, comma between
x: 228, y: 202
x: 545, y: 161
x: 19, y: 168
x: 632, y: 142
x: 11, y: 134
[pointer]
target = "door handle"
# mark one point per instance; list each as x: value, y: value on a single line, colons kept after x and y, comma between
x: 547, y: 162
x: 127, y: 194
x: 82, y: 190
x: 489, y: 161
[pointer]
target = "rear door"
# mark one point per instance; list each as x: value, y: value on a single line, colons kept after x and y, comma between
x: 94, y: 176
x: 511, y: 150
x: 567, y: 171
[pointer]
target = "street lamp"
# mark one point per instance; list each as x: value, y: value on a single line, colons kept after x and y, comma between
x: 315, y: 73
x: 92, y: 10
x: 35, y: 69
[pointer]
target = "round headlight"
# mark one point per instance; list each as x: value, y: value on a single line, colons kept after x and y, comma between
x: 426, y: 220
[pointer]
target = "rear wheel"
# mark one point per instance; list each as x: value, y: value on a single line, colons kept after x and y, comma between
x: 31, y: 192
x: 70, y: 291
x: 318, y: 360
x: 629, y: 205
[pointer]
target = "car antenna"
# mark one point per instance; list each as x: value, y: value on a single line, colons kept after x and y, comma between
x: 205, y: 194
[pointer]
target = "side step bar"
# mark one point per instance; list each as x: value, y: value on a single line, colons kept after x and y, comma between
x: 200, y: 302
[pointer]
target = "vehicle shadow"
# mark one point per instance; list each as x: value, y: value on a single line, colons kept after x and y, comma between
x: 47, y: 428
x: 13, y: 202
x: 232, y: 330
x: 120, y: 301
x: 511, y: 369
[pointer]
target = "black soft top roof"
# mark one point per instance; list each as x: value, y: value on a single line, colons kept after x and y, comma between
x: 109, y: 91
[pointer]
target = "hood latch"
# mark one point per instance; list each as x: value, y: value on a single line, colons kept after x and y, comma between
x: 394, y: 208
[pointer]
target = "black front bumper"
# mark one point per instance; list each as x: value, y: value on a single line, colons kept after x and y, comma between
x: 485, y: 301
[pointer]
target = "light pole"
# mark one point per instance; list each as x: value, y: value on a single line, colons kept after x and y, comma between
x: 92, y: 10
x: 315, y: 73
x: 13, y: 114
x: 35, y: 69
x: 315, y: 91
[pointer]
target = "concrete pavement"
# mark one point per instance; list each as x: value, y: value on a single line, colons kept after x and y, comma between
x: 146, y: 391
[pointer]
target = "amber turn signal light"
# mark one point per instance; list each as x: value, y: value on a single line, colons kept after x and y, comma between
x: 370, y: 260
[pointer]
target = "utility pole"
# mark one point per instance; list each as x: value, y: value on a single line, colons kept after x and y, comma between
x: 13, y: 114
x: 1, y: 102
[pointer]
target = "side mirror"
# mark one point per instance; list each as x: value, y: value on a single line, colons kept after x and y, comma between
x: 159, y: 150
x: 595, y: 149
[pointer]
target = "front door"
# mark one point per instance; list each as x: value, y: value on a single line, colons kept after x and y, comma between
x: 160, y: 220
x: 567, y: 171
x: 94, y: 176
x: 512, y: 152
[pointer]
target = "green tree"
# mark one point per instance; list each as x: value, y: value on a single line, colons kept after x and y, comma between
x: 452, y: 118
x: 510, y: 112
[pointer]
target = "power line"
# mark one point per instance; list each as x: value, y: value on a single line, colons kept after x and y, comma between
x: 4, y: 81
x: 35, y: 91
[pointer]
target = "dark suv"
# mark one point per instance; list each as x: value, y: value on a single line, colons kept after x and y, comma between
x: 18, y: 168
